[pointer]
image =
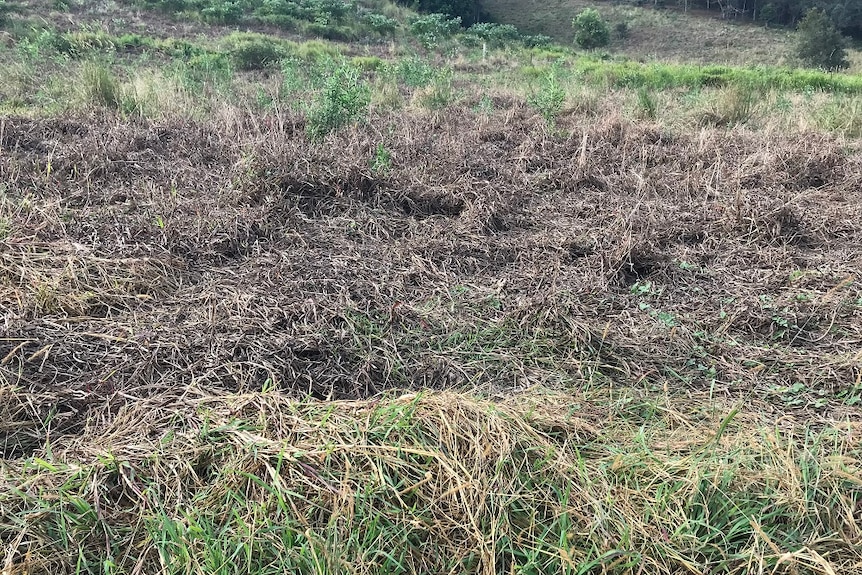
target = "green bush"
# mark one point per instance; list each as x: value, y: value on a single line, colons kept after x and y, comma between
x: 591, y: 31
x: 819, y: 44
x: 206, y: 69
x: 433, y: 28
x: 330, y: 31
x: 381, y: 24
x: 250, y: 51
x: 494, y: 34
x: 344, y: 99
x: 439, y: 93
x: 222, y: 12
x: 414, y: 72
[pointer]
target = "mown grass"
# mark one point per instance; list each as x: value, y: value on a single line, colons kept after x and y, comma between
x: 436, y: 483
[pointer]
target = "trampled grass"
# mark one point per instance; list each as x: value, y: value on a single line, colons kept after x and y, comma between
x: 541, y: 482
x: 274, y: 305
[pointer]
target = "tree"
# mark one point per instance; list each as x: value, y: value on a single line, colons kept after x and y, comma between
x: 470, y: 11
x: 819, y: 43
x: 591, y: 31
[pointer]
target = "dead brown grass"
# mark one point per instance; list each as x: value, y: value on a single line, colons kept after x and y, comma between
x: 490, y: 254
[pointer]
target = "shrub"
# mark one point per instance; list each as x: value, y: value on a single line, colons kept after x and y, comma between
x: 591, y: 30
x: 550, y: 97
x: 622, y: 30
x: 254, y: 51
x: 330, y: 31
x: 344, y: 99
x: 494, y: 34
x: 438, y: 94
x: 208, y: 68
x: 536, y: 41
x: 819, y: 43
x: 316, y: 50
x: 433, y: 28
x: 381, y: 24
x: 222, y: 12
x: 414, y: 72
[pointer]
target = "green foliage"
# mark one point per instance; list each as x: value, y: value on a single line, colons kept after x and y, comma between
x: 494, y: 34
x: 439, y: 93
x: 206, y: 69
x: 468, y: 11
x: 622, y: 30
x: 414, y: 72
x: 5, y: 9
x: 381, y: 161
x: 344, y: 99
x: 658, y: 76
x: 222, y: 12
x: 250, y: 51
x: 647, y: 104
x: 330, y: 31
x: 819, y: 44
x: 536, y: 41
x: 433, y: 28
x: 591, y: 31
x: 549, y: 99
x: 100, y: 87
x: 381, y: 24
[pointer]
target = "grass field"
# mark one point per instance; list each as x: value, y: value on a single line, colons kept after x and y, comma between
x: 273, y: 303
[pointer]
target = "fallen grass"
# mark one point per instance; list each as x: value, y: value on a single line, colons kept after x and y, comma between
x: 192, y: 482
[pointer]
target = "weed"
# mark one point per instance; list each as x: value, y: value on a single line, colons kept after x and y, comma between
x: 439, y: 93
x: 100, y: 87
x: 647, y: 104
x: 250, y: 51
x: 432, y: 29
x: 344, y: 99
x: 735, y: 105
x: 382, y: 160
x: 414, y: 72
x: 550, y: 98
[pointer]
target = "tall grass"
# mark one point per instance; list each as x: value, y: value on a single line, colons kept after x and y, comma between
x: 661, y: 76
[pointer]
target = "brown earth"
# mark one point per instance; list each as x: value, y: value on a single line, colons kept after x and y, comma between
x: 488, y: 254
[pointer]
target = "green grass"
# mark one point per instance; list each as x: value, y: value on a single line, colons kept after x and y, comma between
x: 435, y: 483
x: 662, y: 76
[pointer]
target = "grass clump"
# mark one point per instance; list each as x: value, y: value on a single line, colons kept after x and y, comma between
x: 250, y: 51
x: 100, y: 86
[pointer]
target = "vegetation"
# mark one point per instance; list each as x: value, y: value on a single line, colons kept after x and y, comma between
x: 451, y: 299
x: 819, y: 43
x: 590, y: 30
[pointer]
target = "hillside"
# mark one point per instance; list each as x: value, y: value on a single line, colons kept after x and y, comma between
x: 654, y: 34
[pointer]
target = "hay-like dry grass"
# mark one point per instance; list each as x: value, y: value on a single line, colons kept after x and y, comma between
x: 645, y: 346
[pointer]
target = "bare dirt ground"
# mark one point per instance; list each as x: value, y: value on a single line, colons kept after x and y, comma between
x: 484, y: 254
